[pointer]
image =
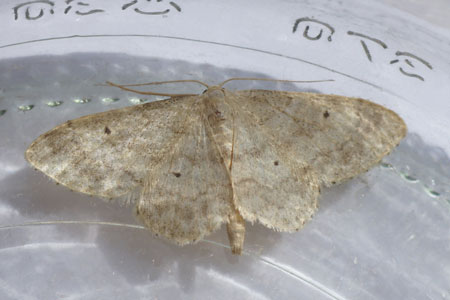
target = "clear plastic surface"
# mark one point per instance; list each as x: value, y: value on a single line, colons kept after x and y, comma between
x: 383, y: 235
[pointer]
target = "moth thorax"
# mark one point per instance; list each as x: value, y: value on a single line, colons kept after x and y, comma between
x: 220, y: 119
x: 217, y: 109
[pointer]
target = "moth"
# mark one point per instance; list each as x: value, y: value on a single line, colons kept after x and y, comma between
x: 194, y: 162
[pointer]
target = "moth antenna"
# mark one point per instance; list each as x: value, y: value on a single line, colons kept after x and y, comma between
x: 169, y: 81
x: 274, y: 80
x: 125, y: 88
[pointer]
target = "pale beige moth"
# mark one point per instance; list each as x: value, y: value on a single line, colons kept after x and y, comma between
x: 194, y: 162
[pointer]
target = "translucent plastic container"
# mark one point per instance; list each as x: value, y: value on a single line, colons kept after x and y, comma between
x: 383, y: 235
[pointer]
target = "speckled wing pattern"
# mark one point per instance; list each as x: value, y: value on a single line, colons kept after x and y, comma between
x: 270, y: 185
x: 107, y: 154
x: 187, y: 193
x: 338, y: 137
x: 200, y: 161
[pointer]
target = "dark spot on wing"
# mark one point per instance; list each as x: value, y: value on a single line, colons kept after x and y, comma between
x: 326, y: 114
x: 176, y: 174
x: 107, y: 130
x: 276, y: 163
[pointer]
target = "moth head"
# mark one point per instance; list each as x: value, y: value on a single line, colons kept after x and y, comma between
x: 214, y: 93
